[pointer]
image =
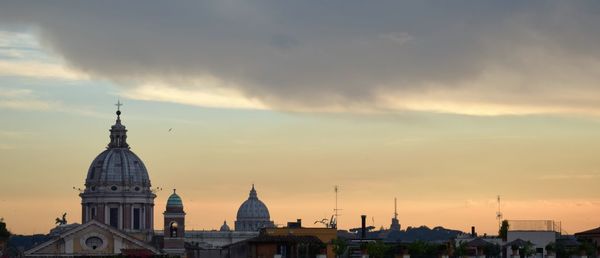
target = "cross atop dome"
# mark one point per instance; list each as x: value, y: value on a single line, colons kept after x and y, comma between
x: 118, y: 133
x: 119, y: 104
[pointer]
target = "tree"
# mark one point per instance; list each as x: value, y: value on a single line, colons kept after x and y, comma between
x: 493, y: 250
x: 527, y: 250
x: 586, y: 248
x: 551, y: 248
x: 339, y: 246
x: 503, y: 231
x: 377, y: 249
x: 4, y: 233
x: 419, y: 249
x: 461, y: 249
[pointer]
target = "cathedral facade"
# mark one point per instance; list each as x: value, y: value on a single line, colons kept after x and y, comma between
x: 117, y: 213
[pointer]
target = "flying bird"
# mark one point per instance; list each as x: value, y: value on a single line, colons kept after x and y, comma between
x: 170, y: 129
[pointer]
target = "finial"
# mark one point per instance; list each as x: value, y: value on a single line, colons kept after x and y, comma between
x: 253, y: 192
x: 119, y: 104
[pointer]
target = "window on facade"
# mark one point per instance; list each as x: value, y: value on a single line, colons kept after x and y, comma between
x: 93, y: 213
x: 136, y: 218
x: 93, y: 242
x: 173, y: 229
x: 114, y: 217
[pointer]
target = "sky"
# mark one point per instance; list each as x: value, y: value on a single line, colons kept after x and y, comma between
x: 443, y: 105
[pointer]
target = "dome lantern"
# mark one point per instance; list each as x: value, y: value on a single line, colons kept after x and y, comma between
x: 118, y: 132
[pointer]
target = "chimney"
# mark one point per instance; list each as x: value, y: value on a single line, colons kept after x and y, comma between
x: 363, y: 231
x: 473, y: 234
x: 297, y: 224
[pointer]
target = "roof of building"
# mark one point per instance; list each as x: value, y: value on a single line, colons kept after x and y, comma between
x: 595, y: 231
x: 478, y: 242
x: 518, y: 242
x: 285, y: 239
x: 89, y: 224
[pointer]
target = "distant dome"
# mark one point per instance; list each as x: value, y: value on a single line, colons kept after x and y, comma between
x: 253, y: 208
x: 253, y: 214
x: 174, y: 200
x: 225, y: 227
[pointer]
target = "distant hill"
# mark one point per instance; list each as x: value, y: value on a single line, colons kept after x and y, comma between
x: 22, y: 243
x: 411, y: 234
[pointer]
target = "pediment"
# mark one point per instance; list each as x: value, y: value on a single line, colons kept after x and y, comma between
x: 91, y: 239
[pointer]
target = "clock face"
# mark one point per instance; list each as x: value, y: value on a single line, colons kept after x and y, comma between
x: 93, y: 242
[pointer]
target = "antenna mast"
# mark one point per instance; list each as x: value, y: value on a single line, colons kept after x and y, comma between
x: 336, y: 189
x: 499, y: 214
x: 395, y: 208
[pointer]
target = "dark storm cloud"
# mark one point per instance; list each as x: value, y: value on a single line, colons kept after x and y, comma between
x: 310, y: 53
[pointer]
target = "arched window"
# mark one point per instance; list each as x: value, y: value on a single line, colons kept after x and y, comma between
x: 173, y: 229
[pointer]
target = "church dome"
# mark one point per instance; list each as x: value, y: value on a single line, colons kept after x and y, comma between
x: 117, y: 187
x: 225, y: 227
x: 117, y: 168
x: 253, y: 208
x: 253, y: 214
x: 174, y: 200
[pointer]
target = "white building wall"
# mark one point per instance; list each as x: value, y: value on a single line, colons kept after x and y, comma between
x: 538, y: 238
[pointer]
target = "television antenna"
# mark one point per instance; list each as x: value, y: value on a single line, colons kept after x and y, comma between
x: 336, y: 210
x: 395, y: 208
x: 499, y: 213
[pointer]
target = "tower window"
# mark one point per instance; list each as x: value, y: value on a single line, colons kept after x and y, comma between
x: 93, y: 213
x: 114, y: 217
x: 173, y: 229
x: 136, y: 218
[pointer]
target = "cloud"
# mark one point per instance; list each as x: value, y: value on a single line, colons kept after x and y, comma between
x: 24, y: 99
x: 28, y: 100
x: 21, y: 55
x: 213, y: 97
x: 481, y: 58
x: 38, y: 69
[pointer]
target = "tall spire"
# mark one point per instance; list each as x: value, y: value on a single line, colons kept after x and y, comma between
x: 118, y: 133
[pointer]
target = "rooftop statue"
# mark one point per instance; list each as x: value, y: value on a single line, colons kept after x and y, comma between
x: 62, y: 221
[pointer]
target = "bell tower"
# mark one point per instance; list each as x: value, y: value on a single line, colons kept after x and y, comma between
x: 174, y: 227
